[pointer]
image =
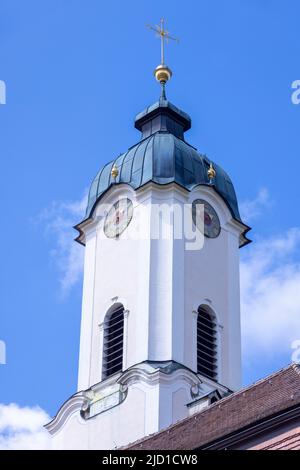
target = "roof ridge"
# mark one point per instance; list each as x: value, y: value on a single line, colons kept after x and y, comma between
x: 296, y: 367
x: 258, y: 382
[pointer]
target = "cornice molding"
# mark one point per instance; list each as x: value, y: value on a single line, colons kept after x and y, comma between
x: 71, y: 406
x: 152, y: 378
x: 81, y: 401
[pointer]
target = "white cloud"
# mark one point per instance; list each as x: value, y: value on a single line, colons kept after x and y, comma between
x: 252, y: 208
x: 21, y: 428
x: 270, y: 296
x: 59, y: 220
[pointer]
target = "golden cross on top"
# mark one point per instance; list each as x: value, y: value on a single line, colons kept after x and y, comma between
x: 164, y: 36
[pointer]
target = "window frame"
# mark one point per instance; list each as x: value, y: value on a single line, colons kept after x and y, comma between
x: 113, y: 341
x: 208, y: 345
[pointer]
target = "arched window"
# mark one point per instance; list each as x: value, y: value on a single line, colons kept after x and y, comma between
x: 113, y: 341
x: 206, y: 343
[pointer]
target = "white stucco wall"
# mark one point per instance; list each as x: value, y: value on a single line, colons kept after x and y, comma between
x: 161, y: 286
x: 147, y: 408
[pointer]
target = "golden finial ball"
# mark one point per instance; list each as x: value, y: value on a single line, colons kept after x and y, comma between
x: 162, y: 73
x: 114, y: 172
x: 211, y: 172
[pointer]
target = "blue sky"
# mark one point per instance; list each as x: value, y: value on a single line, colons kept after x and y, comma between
x: 76, y: 74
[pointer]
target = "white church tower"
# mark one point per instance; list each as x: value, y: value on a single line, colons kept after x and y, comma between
x: 160, y: 331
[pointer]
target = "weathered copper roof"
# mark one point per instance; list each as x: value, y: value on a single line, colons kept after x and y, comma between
x: 163, y: 157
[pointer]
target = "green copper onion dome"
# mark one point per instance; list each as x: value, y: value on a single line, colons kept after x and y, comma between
x: 162, y: 156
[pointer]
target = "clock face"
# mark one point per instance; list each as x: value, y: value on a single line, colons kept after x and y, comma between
x: 211, y: 220
x: 118, y: 218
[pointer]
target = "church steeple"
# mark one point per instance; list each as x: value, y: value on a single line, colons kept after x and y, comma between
x: 160, y: 330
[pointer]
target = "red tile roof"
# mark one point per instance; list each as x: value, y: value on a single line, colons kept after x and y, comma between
x: 287, y: 442
x: 273, y: 394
